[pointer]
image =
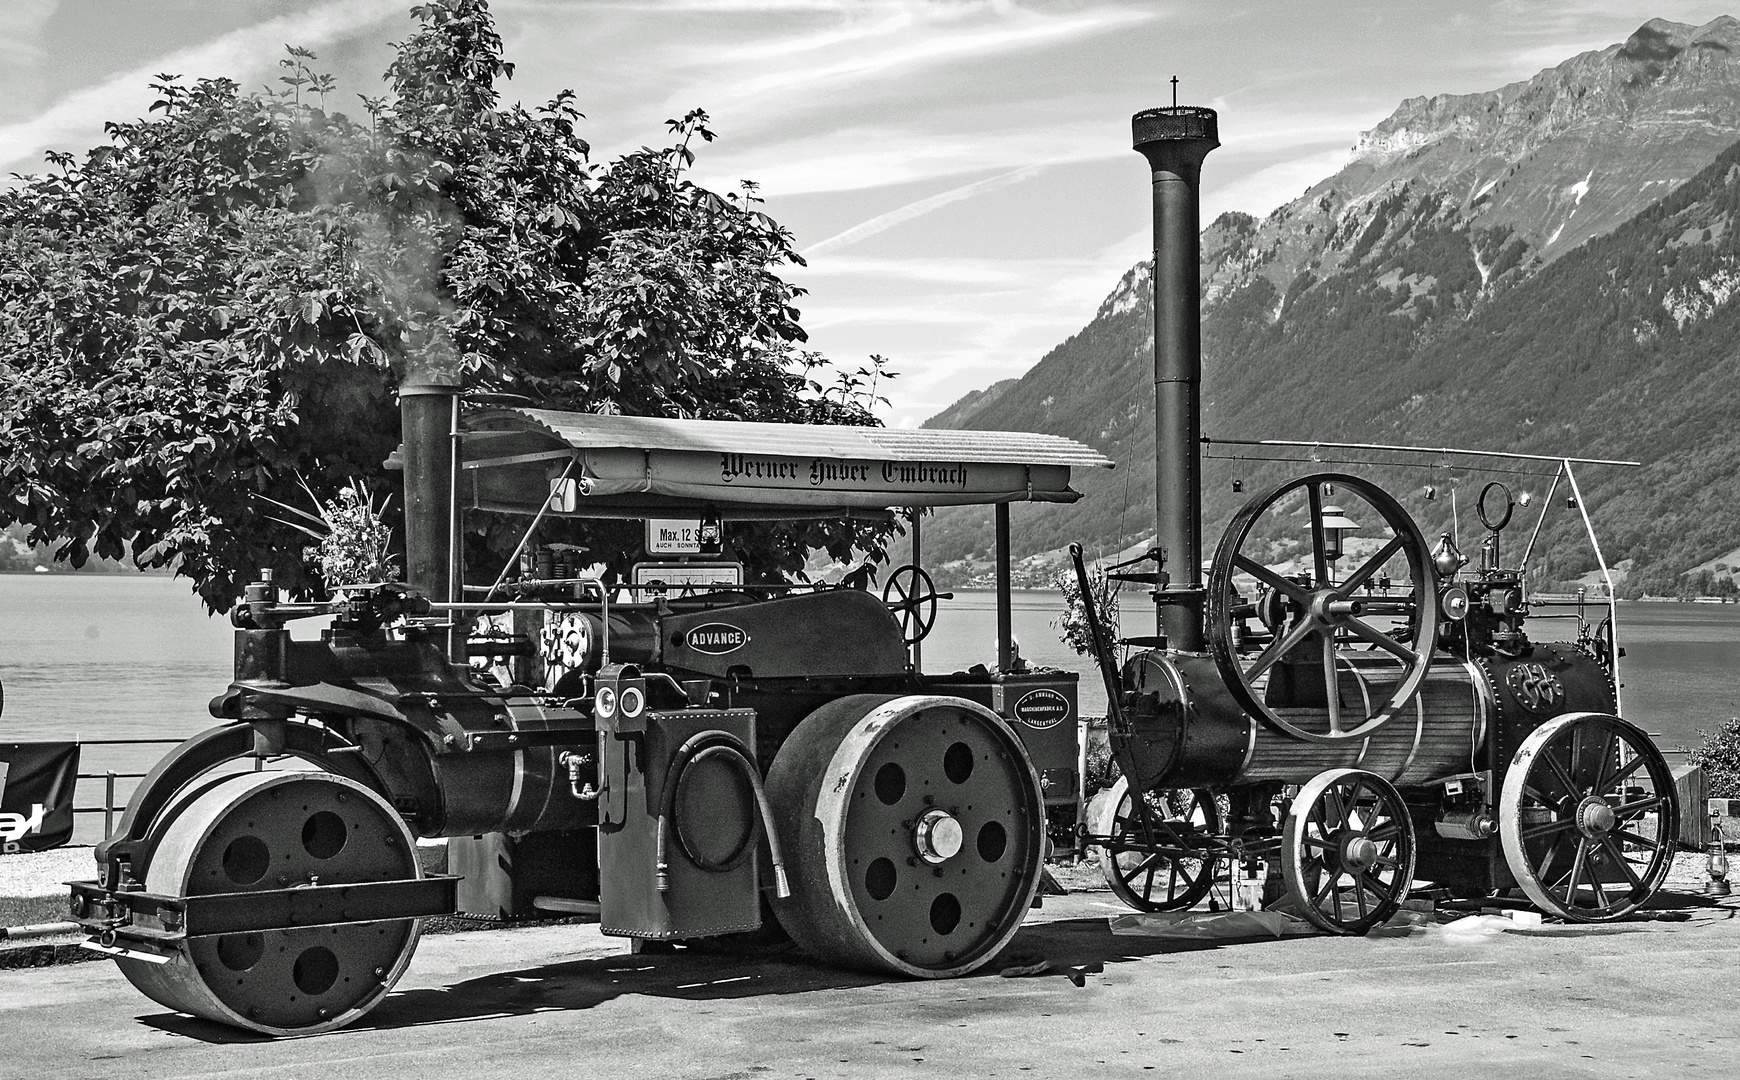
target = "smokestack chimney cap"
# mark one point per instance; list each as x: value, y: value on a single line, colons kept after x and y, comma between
x: 1177, y: 124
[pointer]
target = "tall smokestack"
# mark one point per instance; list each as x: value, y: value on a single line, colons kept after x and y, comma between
x: 1175, y: 141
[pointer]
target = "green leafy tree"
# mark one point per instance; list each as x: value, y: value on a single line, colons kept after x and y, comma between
x: 216, y: 305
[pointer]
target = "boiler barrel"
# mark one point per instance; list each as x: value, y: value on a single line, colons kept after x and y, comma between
x: 1435, y: 736
x: 1186, y: 731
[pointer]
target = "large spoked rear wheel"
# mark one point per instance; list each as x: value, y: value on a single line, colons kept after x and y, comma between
x: 1347, y: 850
x: 1588, y: 817
x: 262, y: 831
x: 914, y: 833
x: 1166, y: 860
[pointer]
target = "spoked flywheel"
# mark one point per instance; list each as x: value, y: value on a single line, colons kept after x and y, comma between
x: 1164, y: 860
x: 1588, y: 817
x: 915, y: 827
x: 271, y: 832
x: 1343, y: 652
x: 1347, y: 850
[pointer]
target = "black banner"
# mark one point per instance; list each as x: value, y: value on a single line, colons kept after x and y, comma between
x: 36, y: 795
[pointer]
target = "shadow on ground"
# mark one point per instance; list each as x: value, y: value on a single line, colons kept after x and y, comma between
x: 1068, y: 946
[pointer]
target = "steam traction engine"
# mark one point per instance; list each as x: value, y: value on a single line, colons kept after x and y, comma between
x: 1357, y: 735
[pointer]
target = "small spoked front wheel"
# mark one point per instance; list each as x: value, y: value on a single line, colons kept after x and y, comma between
x: 1348, y: 850
x: 1164, y: 860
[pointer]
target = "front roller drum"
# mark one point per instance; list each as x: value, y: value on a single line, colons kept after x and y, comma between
x: 273, y: 831
x: 914, y: 832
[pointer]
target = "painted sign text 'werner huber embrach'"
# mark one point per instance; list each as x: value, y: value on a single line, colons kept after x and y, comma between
x: 822, y: 473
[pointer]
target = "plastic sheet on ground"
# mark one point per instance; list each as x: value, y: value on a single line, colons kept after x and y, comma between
x: 1211, y: 925
x: 1470, y: 930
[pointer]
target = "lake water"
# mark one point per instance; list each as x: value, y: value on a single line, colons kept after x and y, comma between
x: 117, y: 656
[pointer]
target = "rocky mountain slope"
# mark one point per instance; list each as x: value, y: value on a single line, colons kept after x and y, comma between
x: 1445, y: 288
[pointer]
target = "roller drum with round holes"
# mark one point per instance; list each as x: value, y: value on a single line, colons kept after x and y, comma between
x: 913, y: 829
x: 268, y: 831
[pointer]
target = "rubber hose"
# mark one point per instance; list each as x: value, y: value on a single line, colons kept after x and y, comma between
x: 699, y: 747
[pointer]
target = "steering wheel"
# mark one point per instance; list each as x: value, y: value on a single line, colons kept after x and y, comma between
x: 1311, y: 613
x: 911, y: 596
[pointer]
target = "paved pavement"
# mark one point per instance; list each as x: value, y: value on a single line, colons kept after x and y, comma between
x: 1642, y: 999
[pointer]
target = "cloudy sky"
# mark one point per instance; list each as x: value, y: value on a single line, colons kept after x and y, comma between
x: 957, y: 172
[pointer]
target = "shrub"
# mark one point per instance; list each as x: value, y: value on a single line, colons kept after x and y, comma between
x: 1718, y: 752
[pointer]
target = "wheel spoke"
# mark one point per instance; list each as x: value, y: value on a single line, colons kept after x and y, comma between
x: 1332, y: 801
x: 1622, y: 775
x: 1547, y: 860
x: 1609, y: 756
x: 1618, y: 856
x: 1332, y: 689
x: 1319, y: 554
x: 1548, y: 829
x: 1576, y: 870
x: 1145, y: 864
x: 1540, y: 796
x: 1280, y: 647
x: 1328, y: 884
x: 1363, y: 630
x: 1371, y: 566
x: 1640, y: 841
x: 1633, y: 809
x: 1559, y: 774
x: 1291, y: 589
x: 1600, y: 891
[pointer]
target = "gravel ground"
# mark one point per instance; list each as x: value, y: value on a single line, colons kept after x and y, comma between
x: 43, y: 873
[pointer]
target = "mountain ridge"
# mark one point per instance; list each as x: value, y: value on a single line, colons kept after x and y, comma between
x: 1405, y: 307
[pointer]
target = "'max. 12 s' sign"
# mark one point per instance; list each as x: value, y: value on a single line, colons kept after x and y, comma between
x: 684, y: 536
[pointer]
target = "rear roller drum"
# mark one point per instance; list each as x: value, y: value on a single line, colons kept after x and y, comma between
x: 1347, y: 851
x: 1588, y: 817
x: 1167, y: 863
x: 914, y: 833
x: 260, y: 831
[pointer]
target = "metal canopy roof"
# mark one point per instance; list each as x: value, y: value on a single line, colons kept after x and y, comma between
x: 635, y: 466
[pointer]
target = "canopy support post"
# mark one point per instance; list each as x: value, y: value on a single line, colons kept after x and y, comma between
x: 915, y: 652
x: 1005, y: 603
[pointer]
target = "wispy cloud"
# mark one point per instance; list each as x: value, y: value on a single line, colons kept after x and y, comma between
x: 919, y: 208
x: 79, y: 117
x: 901, y: 44
x: 860, y: 157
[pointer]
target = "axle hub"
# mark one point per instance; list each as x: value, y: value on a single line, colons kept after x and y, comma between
x: 1595, y: 818
x: 937, y: 836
